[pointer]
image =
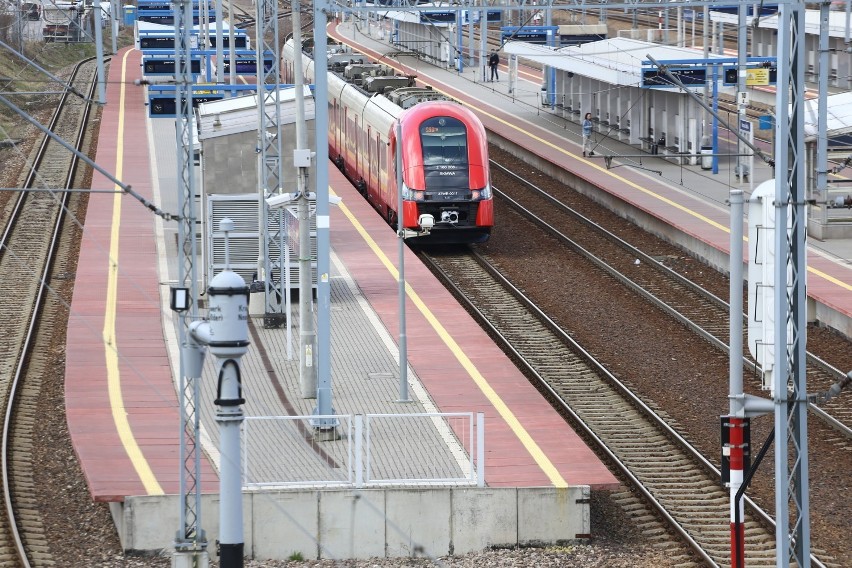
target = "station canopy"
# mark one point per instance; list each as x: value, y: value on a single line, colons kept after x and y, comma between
x: 838, y: 112
x: 836, y: 21
x: 617, y: 61
x: 414, y: 17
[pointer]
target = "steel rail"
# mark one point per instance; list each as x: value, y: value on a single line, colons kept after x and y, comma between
x: 38, y: 301
x: 815, y: 362
x: 565, y: 407
x: 765, y: 517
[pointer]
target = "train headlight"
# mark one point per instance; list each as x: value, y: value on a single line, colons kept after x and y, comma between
x: 484, y: 193
x: 412, y: 194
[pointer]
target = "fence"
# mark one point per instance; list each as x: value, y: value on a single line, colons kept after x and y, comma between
x: 370, y: 450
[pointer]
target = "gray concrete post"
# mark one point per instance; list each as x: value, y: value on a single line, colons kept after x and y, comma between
x: 232, y: 55
x: 99, y: 52
x: 220, y: 52
x: 115, y: 14
x: 307, y: 330
x: 324, y: 382
x: 735, y: 330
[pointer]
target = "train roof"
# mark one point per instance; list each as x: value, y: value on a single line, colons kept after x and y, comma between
x: 412, y: 16
x: 583, y: 29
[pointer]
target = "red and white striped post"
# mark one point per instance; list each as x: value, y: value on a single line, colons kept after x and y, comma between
x: 736, y: 452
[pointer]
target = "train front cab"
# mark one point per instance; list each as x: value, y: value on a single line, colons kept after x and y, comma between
x: 445, y: 156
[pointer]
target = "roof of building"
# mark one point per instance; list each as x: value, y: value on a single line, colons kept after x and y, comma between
x: 239, y: 114
x: 617, y: 61
x: 838, y: 112
x: 836, y: 21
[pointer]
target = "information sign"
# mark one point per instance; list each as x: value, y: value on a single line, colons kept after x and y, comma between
x: 163, y: 66
x: 438, y: 17
x: 688, y: 76
x: 755, y: 76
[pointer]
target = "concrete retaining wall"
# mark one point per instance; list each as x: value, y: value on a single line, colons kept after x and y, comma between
x: 371, y: 523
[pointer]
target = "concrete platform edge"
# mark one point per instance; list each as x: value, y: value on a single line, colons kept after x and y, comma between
x: 384, y: 522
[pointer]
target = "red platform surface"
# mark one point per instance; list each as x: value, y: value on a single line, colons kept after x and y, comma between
x: 121, y: 403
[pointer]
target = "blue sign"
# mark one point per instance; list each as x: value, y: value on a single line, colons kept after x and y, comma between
x: 688, y: 76
x: 162, y: 100
x: 438, y: 17
x: 529, y: 34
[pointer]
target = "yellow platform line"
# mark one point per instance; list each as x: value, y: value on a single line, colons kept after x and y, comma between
x: 505, y: 412
x: 119, y: 413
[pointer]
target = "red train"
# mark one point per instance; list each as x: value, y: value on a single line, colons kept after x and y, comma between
x: 445, y: 172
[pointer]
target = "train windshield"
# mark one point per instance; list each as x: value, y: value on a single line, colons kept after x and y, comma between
x: 444, y: 142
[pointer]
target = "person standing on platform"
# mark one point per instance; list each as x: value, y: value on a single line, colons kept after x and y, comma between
x: 493, y: 62
x: 587, y: 135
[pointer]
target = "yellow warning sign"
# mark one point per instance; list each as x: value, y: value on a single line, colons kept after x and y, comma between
x: 757, y: 77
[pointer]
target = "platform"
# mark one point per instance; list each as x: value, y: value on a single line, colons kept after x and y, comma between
x: 122, y: 361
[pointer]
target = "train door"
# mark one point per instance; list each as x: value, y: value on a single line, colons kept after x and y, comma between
x: 389, y: 156
x: 371, y: 185
x: 374, y: 165
x: 381, y: 177
x: 335, y: 127
x: 384, y: 174
x: 344, y: 140
x: 370, y: 168
x: 351, y: 145
x: 339, y: 125
x: 360, y: 152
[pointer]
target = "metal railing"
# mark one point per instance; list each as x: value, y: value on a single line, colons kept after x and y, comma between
x: 371, y: 450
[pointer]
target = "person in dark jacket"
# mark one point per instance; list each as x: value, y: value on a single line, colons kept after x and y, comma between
x: 493, y: 62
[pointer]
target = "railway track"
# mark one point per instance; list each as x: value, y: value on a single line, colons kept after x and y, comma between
x: 31, y: 257
x: 703, y: 312
x: 681, y: 486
